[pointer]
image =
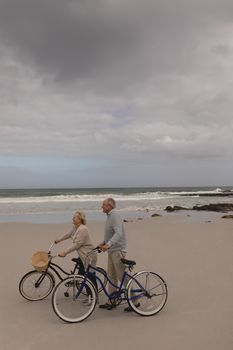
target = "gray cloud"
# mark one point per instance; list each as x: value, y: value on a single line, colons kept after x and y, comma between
x: 117, y: 79
x: 67, y: 40
x: 81, y: 39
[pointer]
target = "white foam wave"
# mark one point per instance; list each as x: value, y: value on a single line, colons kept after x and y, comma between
x: 84, y: 198
x: 142, y: 196
x: 196, y: 193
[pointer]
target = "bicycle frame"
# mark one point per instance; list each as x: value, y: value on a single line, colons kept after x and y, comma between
x: 119, y: 290
x: 54, y: 268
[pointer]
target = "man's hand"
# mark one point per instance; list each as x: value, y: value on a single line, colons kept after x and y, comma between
x: 104, y: 247
x: 56, y: 241
x: 62, y: 254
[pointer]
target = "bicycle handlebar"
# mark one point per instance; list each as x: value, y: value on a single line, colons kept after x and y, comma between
x: 96, y: 249
x: 51, y: 248
x: 53, y: 256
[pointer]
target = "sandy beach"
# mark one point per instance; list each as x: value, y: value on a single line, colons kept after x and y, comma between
x: 194, y: 257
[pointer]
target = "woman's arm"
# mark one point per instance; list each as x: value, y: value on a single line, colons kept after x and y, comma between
x: 65, y: 236
x: 79, y: 240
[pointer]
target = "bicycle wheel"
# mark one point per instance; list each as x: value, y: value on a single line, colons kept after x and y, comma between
x: 101, y: 274
x: 36, y: 285
x: 73, y: 299
x: 146, y: 293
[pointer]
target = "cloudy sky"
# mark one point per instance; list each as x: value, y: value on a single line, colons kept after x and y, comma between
x: 97, y: 93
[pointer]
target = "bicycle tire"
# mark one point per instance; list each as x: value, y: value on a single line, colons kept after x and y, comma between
x: 69, y: 306
x: 28, y: 288
x: 141, y: 303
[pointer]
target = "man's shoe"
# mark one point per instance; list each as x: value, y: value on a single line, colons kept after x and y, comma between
x: 107, y: 306
x: 128, y: 309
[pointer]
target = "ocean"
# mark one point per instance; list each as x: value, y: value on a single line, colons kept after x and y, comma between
x: 58, y: 205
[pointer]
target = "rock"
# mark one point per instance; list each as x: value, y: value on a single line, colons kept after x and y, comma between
x: 139, y: 218
x: 174, y: 208
x: 169, y: 208
x: 128, y: 220
x: 227, y: 217
x: 154, y: 215
x: 219, y: 207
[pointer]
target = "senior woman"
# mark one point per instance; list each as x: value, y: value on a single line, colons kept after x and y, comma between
x: 81, y: 240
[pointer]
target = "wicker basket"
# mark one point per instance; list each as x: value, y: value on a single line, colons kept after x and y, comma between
x: 40, y: 261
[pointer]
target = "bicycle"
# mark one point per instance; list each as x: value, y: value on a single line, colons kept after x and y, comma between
x: 37, y: 285
x: 146, y: 293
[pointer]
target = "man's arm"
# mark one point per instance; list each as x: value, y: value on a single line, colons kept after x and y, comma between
x: 117, y: 226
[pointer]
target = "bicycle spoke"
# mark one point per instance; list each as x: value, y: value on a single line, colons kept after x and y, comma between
x: 36, y: 285
x: 140, y: 298
x: 75, y: 302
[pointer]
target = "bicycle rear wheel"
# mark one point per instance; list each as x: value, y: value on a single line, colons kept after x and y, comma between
x: 74, y: 299
x: 146, y: 293
x: 36, y: 285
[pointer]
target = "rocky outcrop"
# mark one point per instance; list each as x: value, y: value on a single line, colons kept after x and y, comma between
x: 155, y: 215
x: 219, y: 207
x: 175, y: 208
x: 227, y: 217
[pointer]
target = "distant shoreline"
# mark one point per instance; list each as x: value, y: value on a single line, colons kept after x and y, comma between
x: 57, y: 205
x: 65, y: 218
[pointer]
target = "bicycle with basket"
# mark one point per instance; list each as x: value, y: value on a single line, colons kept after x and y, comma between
x: 38, y: 284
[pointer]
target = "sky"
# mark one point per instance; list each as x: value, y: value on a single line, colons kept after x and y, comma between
x: 110, y: 93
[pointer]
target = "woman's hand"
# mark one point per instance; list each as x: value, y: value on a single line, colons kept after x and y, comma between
x: 62, y: 254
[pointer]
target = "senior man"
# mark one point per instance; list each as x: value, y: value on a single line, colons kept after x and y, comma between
x: 116, y: 244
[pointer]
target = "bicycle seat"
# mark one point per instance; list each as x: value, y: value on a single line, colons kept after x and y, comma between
x: 128, y: 262
x: 76, y: 260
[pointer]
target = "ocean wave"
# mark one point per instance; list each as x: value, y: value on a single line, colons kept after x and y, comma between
x: 84, y: 198
x: 140, y: 196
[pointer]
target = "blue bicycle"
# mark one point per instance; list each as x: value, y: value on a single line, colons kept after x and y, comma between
x: 74, y: 298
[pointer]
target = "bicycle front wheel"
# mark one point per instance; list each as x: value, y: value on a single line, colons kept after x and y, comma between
x: 146, y: 293
x: 74, y: 299
x: 36, y: 285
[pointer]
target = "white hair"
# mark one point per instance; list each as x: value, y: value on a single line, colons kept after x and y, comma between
x: 112, y: 202
x: 82, y: 217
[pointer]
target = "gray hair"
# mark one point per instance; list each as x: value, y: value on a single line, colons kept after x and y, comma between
x: 82, y: 217
x: 112, y: 202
